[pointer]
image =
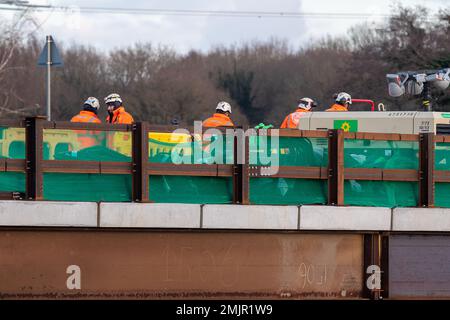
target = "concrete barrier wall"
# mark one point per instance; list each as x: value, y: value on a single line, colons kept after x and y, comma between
x: 421, y: 219
x: 345, y: 218
x: 135, y: 215
x: 48, y: 214
x: 149, y: 215
x: 250, y: 217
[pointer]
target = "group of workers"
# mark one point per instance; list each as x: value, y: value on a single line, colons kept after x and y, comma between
x: 116, y: 111
x: 221, y: 118
x: 223, y: 112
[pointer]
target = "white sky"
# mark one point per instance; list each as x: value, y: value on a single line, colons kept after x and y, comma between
x: 107, y: 31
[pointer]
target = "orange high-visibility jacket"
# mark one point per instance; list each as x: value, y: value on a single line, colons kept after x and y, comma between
x: 86, y: 116
x: 218, y: 120
x: 86, y: 138
x: 120, y: 116
x: 337, y: 107
x: 292, y: 120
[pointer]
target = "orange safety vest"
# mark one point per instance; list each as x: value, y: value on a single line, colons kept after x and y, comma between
x: 120, y: 116
x: 292, y: 120
x: 86, y: 138
x: 218, y: 120
x: 337, y: 107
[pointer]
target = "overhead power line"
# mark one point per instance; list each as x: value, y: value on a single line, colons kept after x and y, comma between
x: 20, y: 5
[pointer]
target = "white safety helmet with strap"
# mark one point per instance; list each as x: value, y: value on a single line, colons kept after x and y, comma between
x: 344, y: 98
x: 224, y: 106
x: 92, y: 102
x: 306, y: 104
x: 113, y: 101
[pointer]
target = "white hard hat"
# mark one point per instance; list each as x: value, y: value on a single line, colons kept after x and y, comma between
x: 92, y: 102
x: 224, y: 106
x: 344, y: 97
x: 306, y: 103
x: 113, y: 97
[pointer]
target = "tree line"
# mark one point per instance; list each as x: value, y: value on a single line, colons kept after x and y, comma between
x: 261, y: 80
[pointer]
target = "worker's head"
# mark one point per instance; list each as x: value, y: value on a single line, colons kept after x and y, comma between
x: 343, y: 99
x: 306, y: 104
x: 113, y: 101
x: 224, y: 108
x: 91, y: 104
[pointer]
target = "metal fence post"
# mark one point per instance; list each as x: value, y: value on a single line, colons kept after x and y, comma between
x: 237, y: 171
x: 245, y: 189
x: 33, y: 158
x: 426, y: 170
x: 335, y: 167
x: 140, y: 179
x: 374, y: 266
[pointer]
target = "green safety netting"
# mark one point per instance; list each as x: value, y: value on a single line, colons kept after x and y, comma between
x: 182, y: 189
x: 383, y: 155
x: 287, y: 151
x: 306, y: 152
x: 442, y: 162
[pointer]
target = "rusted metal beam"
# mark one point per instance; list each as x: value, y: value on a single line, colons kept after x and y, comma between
x: 372, y: 266
x: 441, y: 176
x: 64, y: 125
x: 300, y: 133
x: 316, y: 173
x: 94, y: 167
x: 198, y: 170
x: 190, y: 129
x: 375, y: 174
x: 385, y: 266
x: 12, y: 165
x: 16, y: 195
x: 237, y: 172
x: 34, y: 150
x: 179, y: 264
x: 335, y: 167
x: 441, y: 138
x: 400, y: 175
x: 381, y: 136
x: 12, y: 123
x: 426, y: 170
x: 140, y: 162
x: 245, y: 187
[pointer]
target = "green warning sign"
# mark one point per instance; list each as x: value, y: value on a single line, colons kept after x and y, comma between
x: 346, y: 125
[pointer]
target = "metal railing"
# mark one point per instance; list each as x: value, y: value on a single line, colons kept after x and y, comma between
x: 140, y: 168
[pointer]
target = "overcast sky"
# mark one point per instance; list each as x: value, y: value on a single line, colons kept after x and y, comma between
x: 107, y: 31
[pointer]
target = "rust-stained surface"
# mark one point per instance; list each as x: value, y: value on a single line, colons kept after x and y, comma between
x: 137, y: 264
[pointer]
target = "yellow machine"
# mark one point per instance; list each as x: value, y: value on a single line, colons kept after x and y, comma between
x: 12, y: 142
x: 158, y: 142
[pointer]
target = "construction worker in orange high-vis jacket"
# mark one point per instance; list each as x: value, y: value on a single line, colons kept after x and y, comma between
x: 221, y: 118
x: 116, y: 110
x: 88, y: 138
x: 304, y: 105
x: 343, y: 101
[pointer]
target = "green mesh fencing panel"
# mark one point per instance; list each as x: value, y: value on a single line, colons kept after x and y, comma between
x: 87, y: 187
x: 96, y: 153
x: 87, y: 145
x: 183, y: 189
x: 215, y: 150
x: 386, y: 155
x: 12, y: 182
x: 179, y: 189
x: 281, y: 191
x: 442, y: 162
x: 12, y: 143
x: 307, y: 152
